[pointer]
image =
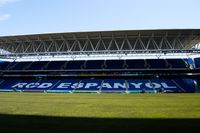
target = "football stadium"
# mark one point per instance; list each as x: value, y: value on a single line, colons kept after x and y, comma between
x: 134, y: 61
x: 102, y: 81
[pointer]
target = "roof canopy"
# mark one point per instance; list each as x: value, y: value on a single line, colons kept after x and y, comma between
x: 102, y: 42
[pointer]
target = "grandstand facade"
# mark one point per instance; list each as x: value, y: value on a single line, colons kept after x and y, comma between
x: 131, y: 61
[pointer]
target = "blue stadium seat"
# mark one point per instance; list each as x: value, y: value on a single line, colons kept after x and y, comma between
x: 197, y: 62
x: 115, y: 64
x: 40, y: 85
x: 94, y: 64
x: 1, y: 81
x: 96, y: 85
x: 99, y: 64
x: 11, y: 65
x: 28, y: 85
x: 167, y: 85
x: 156, y: 63
x: 55, y: 65
x: 186, y: 85
x: 135, y: 64
x: 37, y: 65
x: 19, y: 66
x: 7, y: 84
x: 177, y: 63
x: 4, y: 65
x: 139, y: 85
x: 113, y: 85
x: 67, y: 85
x: 89, y: 85
x: 75, y: 65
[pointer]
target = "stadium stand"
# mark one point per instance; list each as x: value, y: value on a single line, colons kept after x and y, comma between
x: 38, y: 65
x: 91, y: 64
x: 91, y: 85
x: 75, y: 65
x: 157, y: 63
x: 18, y: 65
x: 99, y: 64
x: 99, y: 85
x: 64, y: 85
x: 4, y: 65
x: 135, y: 64
x: 197, y: 62
x: 115, y: 64
x: 112, y: 62
x: 177, y: 63
x: 113, y: 85
x: 55, y: 65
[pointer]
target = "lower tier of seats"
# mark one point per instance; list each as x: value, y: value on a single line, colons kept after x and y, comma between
x: 100, y: 85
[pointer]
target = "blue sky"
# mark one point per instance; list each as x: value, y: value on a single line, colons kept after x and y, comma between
x: 44, y: 16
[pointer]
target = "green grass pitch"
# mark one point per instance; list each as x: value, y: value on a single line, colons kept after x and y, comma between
x: 96, y: 113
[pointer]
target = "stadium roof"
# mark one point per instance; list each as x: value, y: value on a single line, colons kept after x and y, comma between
x: 102, y: 41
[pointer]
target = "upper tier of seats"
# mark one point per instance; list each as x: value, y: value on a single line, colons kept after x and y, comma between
x: 98, y: 64
x: 197, y: 62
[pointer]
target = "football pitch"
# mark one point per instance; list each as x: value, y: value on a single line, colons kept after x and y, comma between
x: 96, y: 113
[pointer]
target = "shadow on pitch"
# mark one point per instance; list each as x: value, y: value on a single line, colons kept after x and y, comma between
x: 45, y: 124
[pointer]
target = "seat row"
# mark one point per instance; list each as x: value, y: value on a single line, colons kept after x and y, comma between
x: 96, y: 64
x: 99, y: 85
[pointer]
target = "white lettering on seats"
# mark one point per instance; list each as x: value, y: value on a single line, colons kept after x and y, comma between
x: 88, y: 85
x: 153, y: 85
x: 118, y: 85
x: 64, y: 85
x: 32, y: 85
x: 137, y: 85
x: 106, y: 85
x: 19, y: 85
x: 167, y: 86
x: 45, y: 85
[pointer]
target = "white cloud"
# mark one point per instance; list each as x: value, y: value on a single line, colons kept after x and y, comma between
x: 4, y: 17
x: 3, y: 2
